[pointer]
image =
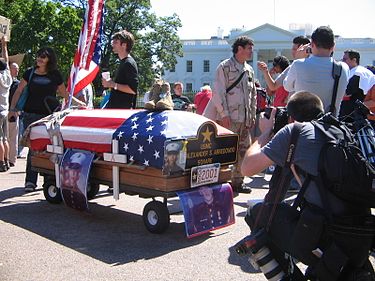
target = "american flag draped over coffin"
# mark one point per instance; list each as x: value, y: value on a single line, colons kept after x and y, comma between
x: 141, y: 133
x: 90, y: 130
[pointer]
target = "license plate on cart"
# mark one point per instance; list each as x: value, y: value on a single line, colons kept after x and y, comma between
x: 205, y: 174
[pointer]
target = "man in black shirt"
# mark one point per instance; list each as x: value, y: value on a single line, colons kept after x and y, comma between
x: 180, y: 102
x: 125, y: 85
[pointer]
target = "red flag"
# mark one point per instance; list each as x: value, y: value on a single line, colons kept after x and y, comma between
x: 87, y: 57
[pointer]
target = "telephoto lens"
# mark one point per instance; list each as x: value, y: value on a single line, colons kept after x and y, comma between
x: 260, y: 255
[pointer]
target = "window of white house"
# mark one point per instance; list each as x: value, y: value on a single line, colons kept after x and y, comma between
x: 189, y: 87
x: 189, y: 66
x: 206, y: 66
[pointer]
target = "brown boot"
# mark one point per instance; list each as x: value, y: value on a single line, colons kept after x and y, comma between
x: 240, y: 187
x: 165, y: 102
x: 150, y: 105
x: 154, y: 96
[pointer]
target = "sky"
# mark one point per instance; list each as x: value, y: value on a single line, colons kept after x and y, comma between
x: 202, y: 18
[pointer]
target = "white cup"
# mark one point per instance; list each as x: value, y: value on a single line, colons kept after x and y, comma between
x: 106, y: 75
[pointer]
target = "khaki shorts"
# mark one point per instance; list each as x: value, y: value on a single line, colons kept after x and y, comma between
x: 3, y: 128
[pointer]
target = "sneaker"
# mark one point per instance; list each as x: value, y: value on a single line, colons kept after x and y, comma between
x: 11, y: 164
x: 29, y: 187
x: 3, y: 168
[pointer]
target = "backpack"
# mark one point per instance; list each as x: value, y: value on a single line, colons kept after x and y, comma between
x: 342, y: 167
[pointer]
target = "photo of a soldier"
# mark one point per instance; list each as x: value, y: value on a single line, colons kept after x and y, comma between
x: 172, y: 154
x: 73, y: 178
x: 207, y: 208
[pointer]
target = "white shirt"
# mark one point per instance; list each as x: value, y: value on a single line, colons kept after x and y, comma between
x: 366, y: 77
x: 314, y: 74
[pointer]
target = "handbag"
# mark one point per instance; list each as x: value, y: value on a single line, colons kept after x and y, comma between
x: 25, y: 94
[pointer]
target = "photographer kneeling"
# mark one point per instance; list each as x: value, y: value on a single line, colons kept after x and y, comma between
x: 304, y: 232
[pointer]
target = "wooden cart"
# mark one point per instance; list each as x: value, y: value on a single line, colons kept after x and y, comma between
x: 133, y: 180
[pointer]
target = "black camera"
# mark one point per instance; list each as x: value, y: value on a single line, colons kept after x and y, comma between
x: 260, y: 256
x: 281, y: 117
x: 361, y: 109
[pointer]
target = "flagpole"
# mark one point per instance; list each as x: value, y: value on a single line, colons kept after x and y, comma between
x: 72, y: 88
x: 88, y: 44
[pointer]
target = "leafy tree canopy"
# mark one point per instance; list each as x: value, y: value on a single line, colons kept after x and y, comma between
x: 38, y: 23
x: 57, y: 23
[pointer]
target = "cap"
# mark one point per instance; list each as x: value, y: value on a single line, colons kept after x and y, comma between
x: 173, y: 147
x: 76, y: 160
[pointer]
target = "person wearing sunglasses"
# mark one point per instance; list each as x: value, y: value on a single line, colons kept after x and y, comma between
x: 43, y: 80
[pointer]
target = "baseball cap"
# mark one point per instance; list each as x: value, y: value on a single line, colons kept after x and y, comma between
x: 173, y: 147
x: 76, y: 160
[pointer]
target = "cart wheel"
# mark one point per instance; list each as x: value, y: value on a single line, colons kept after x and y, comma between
x: 156, y: 217
x: 52, y: 193
x: 92, y: 190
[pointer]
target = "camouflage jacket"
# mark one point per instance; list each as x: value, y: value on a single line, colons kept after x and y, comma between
x: 240, y: 103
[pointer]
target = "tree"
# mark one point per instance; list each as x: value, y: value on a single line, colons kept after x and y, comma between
x: 37, y: 23
x: 57, y: 23
x: 157, y: 43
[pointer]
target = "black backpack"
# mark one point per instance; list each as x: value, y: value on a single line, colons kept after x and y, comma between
x: 342, y: 167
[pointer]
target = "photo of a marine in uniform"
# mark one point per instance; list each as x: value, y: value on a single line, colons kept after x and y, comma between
x: 73, y: 178
x: 172, y: 154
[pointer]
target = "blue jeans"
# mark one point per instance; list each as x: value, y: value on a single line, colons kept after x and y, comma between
x: 31, y: 176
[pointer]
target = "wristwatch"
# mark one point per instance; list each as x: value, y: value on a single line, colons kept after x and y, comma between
x: 115, y: 87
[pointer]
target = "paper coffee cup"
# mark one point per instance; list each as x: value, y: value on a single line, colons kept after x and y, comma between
x: 106, y: 75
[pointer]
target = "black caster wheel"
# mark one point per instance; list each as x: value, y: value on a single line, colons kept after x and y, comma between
x: 156, y: 217
x: 52, y: 193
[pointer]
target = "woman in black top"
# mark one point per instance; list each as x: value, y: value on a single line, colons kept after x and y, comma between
x: 44, y: 82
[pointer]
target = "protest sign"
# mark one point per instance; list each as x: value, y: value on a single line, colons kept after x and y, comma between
x: 4, y: 27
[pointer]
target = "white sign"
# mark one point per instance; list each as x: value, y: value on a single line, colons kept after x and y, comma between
x: 4, y: 27
x: 205, y: 174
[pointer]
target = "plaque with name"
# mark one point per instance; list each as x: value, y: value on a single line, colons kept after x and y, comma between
x: 209, y: 147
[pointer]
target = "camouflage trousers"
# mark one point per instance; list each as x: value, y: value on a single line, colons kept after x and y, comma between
x: 244, y: 142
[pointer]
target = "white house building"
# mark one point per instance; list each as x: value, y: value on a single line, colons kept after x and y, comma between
x: 201, y: 57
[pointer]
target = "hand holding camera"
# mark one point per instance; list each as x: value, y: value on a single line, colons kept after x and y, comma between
x: 267, y: 120
x: 279, y: 117
x: 303, y: 51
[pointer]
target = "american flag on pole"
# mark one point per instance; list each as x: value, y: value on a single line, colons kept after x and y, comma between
x: 87, y: 57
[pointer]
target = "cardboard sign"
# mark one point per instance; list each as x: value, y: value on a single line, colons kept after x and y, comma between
x: 4, y: 27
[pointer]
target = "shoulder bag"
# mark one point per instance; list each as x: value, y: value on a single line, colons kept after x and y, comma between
x: 25, y: 93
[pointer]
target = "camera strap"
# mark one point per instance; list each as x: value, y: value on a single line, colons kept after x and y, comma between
x: 336, y: 73
x: 282, y: 183
x: 235, y: 82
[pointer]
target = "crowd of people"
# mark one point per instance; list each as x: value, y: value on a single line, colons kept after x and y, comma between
x: 313, y: 84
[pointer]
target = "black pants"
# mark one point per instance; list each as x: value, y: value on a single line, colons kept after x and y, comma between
x: 280, y: 233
